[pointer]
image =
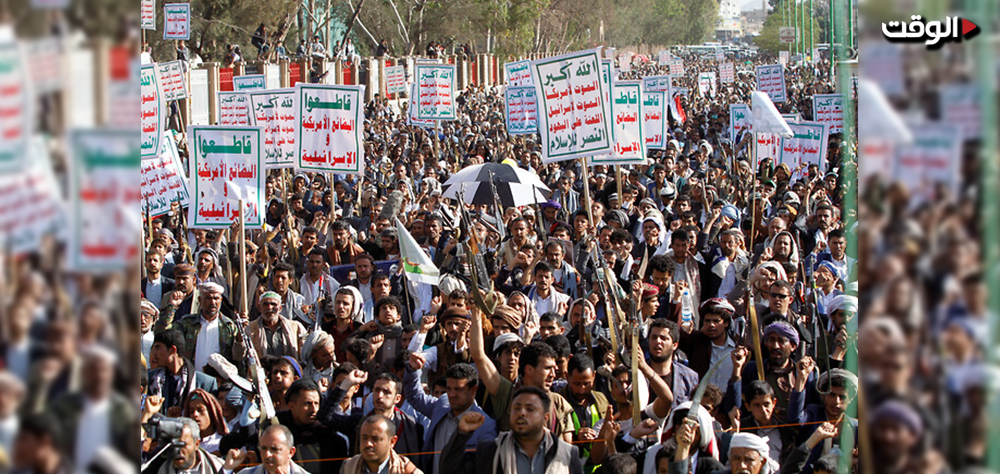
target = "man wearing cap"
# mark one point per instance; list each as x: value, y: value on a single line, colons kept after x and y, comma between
x: 827, y: 276
x: 206, y: 332
x: 172, y: 376
x: 711, y: 342
x: 455, y: 348
x: 837, y: 389
x: 272, y: 334
x: 748, y: 454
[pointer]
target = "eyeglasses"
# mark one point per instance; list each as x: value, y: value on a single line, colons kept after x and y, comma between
x: 779, y: 296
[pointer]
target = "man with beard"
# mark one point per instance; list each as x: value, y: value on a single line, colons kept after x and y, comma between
x: 378, y: 454
x: 316, y: 282
x: 837, y: 389
x: 564, y: 275
x: 209, y: 271
x: 780, y: 341
x: 154, y: 286
x: 711, y: 343
x: 364, y: 266
x: 297, y: 255
x: 588, y: 404
x: 664, y: 338
x: 207, y: 332
x: 347, y: 310
x: 272, y: 334
x: 453, y: 350
x: 190, y: 458
x: 725, y: 264
x: 779, y: 308
x: 173, y: 377
x: 184, y: 283
x: 314, y: 442
x: 518, y: 237
x: 542, y: 293
x: 528, y: 447
x: 435, y: 238
x: 748, y: 454
x: 318, y: 358
x: 836, y: 253
x: 277, y: 447
x: 343, y: 250
x: 567, y: 197
x: 815, y: 236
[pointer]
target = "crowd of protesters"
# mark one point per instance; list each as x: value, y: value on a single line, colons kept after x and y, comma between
x: 364, y: 370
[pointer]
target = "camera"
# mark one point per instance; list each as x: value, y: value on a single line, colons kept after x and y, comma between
x: 165, y: 428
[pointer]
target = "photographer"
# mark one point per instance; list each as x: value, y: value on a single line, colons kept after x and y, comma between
x: 187, y: 456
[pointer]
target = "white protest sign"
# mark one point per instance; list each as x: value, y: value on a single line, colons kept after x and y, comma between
x: 147, y: 15
x: 249, y: 82
x: 740, y: 120
x: 16, y: 116
x: 151, y: 106
x: 30, y: 201
x: 706, y: 84
x: 45, y: 64
x: 411, y: 111
x: 106, y: 216
x: 768, y: 146
x: 172, y: 80
x: 727, y: 73
x: 199, y: 96
x: 177, y: 21
x: 225, y: 166
x: 607, y: 77
x: 330, y: 122
x: 234, y: 108
x: 654, y: 118
x: 882, y: 63
x: 806, y: 146
x: 626, y: 111
x: 935, y: 156
x: 960, y: 106
x: 518, y: 74
x: 274, y: 112
x: 395, y: 80
x: 435, y: 91
x: 572, y: 119
x: 663, y: 58
x: 720, y: 56
x: 162, y: 180
x: 829, y: 109
x: 656, y: 83
x: 783, y: 57
x: 792, y: 117
x: 677, y: 67
x: 771, y: 81
x: 521, y: 110
x: 875, y: 158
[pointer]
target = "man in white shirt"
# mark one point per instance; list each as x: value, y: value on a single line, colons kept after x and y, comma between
x: 317, y: 279
x: 543, y: 295
x: 155, y: 285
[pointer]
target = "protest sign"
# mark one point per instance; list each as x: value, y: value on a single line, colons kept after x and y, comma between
x: 330, y: 122
x: 654, y: 118
x: 519, y: 74
x: 806, y: 146
x: 45, y: 58
x: 771, y: 81
x: 706, y: 84
x: 792, y: 117
x: 16, y: 102
x: 677, y: 67
x: 435, y: 91
x: 234, y: 108
x: 727, y: 73
x: 152, y: 115
x: 607, y: 78
x: 629, y: 136
x: 147, y: 15
x: 249, y: 82
x: 199, y: 97
x: 787, y: 34
x: 105, y: 220
x: 656, y: 83
x: 521, y: 110
x: 572, y: 118
x: 935, y: 156
x: 172, y: 80
x: 30, y: 200
x: 411, y: 111
x: 882, y: 63
x: 875, y: 158
x: 768, y: 145
x: 829, y: 109
x: 663, y: 58
x: 225, y: 166
x: 177, y: 21
x: 783, y: 57
x: 274, y: 112
x: 395, y: 80
x: 960, y: 106
x: 720, y: 56
x: 740, y: 120
x: 162, y: 180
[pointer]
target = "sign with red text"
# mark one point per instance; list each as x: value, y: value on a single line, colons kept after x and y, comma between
x: 768, y: 146
x: 172, y: 80
x: 45, y: 65
x: 395, y: 79
x: 330, y: 122
x: 677, y: 67
x: 147, y: 15
x: 274, y: 112
x: 656, y: 84
x: 521, y: 110
x: 960, y: 106
x: 225, y: 166
x: 162, y: 180
x: 806, y: 146
x: 151, y: 109
x: 518, y: 74
x: 572, y: 118
x: 787, y: 34
x: 626, y: 113
x: 411, y: 111
x: 105, y: 215
x: 31, y: 204
x: 829, y: 109
x: 771, y: 81
x: 16, y: 115
x: 727, y: 73
x: 435, y: 91
x: 177, y: 21
x: 663, y: 58
x: 654, y: 118
x: 934, y: 157
x: 740, y: 120
x: 234, y: 108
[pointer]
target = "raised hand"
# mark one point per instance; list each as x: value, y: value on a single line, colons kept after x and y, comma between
x: 470, y: 421
x: 417, y: 361
x: 644, y: 429
x: 427, y: 323
x: 234, y: 459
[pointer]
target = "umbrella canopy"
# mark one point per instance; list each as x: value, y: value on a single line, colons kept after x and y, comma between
x: 515, y: 186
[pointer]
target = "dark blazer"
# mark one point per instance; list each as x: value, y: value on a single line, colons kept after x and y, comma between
x: 168, y: 285
x: 196, y: 379
x: 455, y: 459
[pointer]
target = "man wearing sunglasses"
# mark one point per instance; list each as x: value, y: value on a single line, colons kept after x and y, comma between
x: 779, y: 307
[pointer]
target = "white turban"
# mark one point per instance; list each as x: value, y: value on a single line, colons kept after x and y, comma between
x: 844, y: 303
x: 211, y: 287
x: 756, y: 443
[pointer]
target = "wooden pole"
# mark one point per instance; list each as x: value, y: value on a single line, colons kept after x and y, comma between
x: 586, y: 191
x: 243, y: 266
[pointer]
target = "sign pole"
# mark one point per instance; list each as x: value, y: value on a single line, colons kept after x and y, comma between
x: 243, y: 265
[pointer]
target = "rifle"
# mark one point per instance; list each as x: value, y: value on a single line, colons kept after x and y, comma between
x: 498, y: 211
x: 474, y: 257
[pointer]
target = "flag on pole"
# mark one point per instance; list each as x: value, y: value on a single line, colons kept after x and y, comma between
x: 417, y: 264
x: 766, y: 118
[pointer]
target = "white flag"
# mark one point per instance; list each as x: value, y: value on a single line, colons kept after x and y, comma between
x: 766, y: 118
x: 416, y: 263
